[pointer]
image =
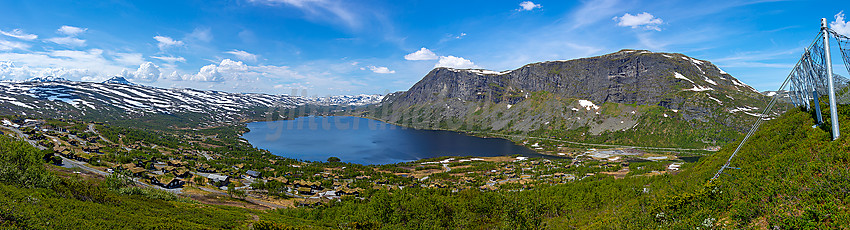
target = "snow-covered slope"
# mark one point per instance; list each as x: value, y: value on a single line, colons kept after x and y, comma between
x: 118, y: 99
x: 356, y: 100
x: 118, y: 80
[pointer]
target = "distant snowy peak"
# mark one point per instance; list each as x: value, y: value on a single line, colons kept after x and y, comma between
x: 118, y: 80
x: 118, y: 98
x: 349, y: 100
x: 46, y: 79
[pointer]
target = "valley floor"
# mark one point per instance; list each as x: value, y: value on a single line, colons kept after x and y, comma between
x: 102, y: 176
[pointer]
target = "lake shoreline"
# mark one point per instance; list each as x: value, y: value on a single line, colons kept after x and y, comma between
x: 373, y: 142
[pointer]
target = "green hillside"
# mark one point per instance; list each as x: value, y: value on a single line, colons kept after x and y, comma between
x: 792, y: 176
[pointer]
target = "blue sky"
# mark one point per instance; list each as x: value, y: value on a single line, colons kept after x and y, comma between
x: 330, y: 47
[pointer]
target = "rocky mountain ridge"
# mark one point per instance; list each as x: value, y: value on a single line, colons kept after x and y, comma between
x: 622, y: 91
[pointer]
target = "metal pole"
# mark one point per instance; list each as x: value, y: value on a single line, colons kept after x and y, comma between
x: 833, y: 110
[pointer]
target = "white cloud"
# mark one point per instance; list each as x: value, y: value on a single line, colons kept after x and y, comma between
x: 174, y: 76
x: 19, y: 34
x: 165, y: 42
x: 456, y: 62
x: 207, y: 73
x: 644, y: 20
x: 226, y: 70
x: 9, y: 71
x: 10, y: 45
x: 269, y: 78
x: 421, y: 54
x: 381, y: 69
x: 170, y: 58
x: 71, y: 31
x: 68, y: 41
x: 242, y: 55
x: 528, y: 5
x: 70, y: 64
x: 839, y: 25
x: 147, y: 72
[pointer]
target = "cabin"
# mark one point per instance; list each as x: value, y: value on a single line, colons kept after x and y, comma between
x: 252, y: 174
x: 175, y: 163
x: 175, y: 183
x: 305, y: 191
x: 220, y: 180
x: 167, y: 183
x: 91, y: 149
x: 182, y: 173
x: 348, y: 191
x: 312, y: 185
x: 137, y: 171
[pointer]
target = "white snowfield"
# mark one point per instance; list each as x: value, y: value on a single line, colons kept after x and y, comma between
x: 134, y: 99
x: 588, y: 105
x: 699, y: 88
x: 680, y: 76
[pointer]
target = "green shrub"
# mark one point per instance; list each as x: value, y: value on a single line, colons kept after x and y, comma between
x: 22, y: 164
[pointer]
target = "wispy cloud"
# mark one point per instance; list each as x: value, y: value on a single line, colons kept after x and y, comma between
x: 129, y: 59
x: 19, y: 34
x: 243, y: 55
x: 170, y: 58
x: 320, y: 9
x: 68, y: 41
x: 201, y: 34
x: 71, y: 30
x: 166, y: 42
x: 593, y: 11
x: 70, y: 38
x: 760, y: 59
x: 10, y: 45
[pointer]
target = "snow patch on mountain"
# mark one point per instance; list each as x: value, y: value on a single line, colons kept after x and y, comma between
x: 699, y: 88
x: 118, y: 80
x: 46, y: 79
x: 480, y: 71
x: 349, y: 100
x: 587, y: 105
x: 710, y: 81
x: 680, y: 76
x: 715, y: 99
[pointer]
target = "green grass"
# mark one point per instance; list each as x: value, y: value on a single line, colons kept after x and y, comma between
x: 792, y: 176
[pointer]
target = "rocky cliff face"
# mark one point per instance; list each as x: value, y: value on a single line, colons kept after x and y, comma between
x: 612, y: 92
x: 630, y: 77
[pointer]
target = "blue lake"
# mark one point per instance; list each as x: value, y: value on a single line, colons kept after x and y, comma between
x: 366, y: 141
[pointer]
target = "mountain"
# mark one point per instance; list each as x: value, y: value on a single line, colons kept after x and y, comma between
x: 46, y: 79
x: 349, y: 100
x: 118, y: 99
x: 626, y: 97
x: 118, y: 80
